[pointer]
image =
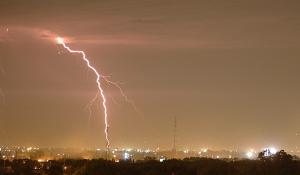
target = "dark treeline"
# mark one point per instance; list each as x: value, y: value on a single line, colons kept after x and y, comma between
x: 278, y: 164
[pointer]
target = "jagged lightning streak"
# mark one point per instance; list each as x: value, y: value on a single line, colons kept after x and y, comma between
x: 122, y: 93
x: 98, y: 81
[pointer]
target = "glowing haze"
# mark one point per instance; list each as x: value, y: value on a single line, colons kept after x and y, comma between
x: 229, y: 70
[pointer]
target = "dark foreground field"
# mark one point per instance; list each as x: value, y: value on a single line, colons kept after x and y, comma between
x: 279, y: 164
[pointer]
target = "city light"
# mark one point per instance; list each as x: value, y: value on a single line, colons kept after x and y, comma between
x: 249, y: 154
x: 41, y: 160
x: 269, y: 151
x: 162, y: 159
x: 126, y: 156
x: 273, y: 150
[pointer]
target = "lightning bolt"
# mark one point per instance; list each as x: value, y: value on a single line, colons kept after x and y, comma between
x: 98, y: 82
x: 123, y: 94
x: 90, y: 104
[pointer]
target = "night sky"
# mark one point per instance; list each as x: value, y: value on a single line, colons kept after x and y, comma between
x: 228, y: 70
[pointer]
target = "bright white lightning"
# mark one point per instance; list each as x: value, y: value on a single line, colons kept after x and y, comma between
x: 98, y: 81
